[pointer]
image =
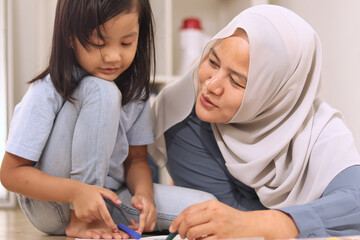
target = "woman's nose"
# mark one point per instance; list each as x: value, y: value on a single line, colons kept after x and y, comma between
x: 215, y: 85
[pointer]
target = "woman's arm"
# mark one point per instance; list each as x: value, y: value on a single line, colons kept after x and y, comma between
x: 140, y: 184
x: 336, y: 213
x: 18, y: 175
x: 215, y: 220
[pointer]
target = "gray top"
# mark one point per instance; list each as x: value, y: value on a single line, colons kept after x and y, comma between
x: 195, y: 161
x: 34, y: 116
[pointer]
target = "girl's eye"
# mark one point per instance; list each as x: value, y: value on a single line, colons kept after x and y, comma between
x: 127, y: 44
x: 98, y: 45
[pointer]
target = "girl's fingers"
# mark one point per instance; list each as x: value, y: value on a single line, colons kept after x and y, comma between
x: 152, y: 226
x: 106, y: 217
x: 150, y: 222
x: 137, y: 203
x: 134, y: 225
x: 141, y: 223
x: 105, y: 193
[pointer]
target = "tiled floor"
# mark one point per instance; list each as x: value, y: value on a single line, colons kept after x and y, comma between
x: 15, y: 226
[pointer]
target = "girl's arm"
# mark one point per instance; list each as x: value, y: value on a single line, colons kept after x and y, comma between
x: 18, y: 175
x: 140, y: 184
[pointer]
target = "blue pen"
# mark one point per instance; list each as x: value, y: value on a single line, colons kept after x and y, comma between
x: 129, y: 231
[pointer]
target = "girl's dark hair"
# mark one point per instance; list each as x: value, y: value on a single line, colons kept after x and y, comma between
x: 80, y: 18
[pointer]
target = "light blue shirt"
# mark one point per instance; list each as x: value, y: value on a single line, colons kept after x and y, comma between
x: 34, y: 117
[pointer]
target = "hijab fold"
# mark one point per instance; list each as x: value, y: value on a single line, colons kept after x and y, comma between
x: 282, y: 140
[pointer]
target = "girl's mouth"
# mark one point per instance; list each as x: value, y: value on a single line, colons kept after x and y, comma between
x: 109, y: 70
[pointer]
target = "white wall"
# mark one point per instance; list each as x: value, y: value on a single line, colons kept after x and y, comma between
x: 337, y: 23
x: 31, y: 22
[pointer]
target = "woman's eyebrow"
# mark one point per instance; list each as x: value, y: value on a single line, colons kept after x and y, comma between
x: 212, y: 51
x: 239, y: 75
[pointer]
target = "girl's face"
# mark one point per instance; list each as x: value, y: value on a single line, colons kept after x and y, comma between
x: 222, y: 79
x: 111, y: 57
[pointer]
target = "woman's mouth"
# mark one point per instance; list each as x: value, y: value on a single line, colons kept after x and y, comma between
x: 206, y: 102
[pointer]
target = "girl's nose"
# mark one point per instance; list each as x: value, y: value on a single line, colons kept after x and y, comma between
x: 112, y: 55
x: 214, y: 85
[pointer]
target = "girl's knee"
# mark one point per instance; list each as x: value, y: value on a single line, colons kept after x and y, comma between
x: 99, y: 90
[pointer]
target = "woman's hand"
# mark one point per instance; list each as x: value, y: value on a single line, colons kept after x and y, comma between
x: 89, y: 204
x: 215, y: 220
x: 147, y: 217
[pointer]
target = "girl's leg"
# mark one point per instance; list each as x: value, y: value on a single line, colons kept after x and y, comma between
x: 169, y: 202
x: 79, y: 147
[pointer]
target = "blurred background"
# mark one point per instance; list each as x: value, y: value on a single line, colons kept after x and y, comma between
x: 26, y: 29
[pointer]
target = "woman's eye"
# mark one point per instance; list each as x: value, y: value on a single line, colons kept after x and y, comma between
x: 213, y: 63
x: 236, y: 83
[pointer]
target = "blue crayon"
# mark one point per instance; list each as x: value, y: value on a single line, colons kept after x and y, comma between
x: 131, y: 232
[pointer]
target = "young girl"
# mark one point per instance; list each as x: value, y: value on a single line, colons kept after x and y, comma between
x: 82, y: 128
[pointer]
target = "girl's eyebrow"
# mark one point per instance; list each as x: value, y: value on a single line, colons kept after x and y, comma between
x: 239, y: 75
x: 132, y: 34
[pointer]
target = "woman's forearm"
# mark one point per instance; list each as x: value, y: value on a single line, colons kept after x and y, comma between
x: 275, y: 224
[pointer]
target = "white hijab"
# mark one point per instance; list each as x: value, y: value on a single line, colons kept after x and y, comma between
x: 277, y: 142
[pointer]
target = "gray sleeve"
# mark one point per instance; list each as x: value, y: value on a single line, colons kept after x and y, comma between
x: 336, y: 213
x: 33, y: 119
x: 141, y: 132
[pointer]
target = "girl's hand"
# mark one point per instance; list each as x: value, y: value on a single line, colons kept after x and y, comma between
x: 147, y: 217
x: 89, y: 204
x: 215, y: 220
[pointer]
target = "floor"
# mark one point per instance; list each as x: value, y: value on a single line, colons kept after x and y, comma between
x: 15, y: 226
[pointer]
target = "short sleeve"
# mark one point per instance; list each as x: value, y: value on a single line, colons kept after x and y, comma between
x: 33, y: 120
x: 141, y: 132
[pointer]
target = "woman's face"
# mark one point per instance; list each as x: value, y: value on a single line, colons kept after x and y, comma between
x: 222, y: 79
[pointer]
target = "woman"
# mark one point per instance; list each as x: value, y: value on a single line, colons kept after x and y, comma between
x: 246, y: 124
